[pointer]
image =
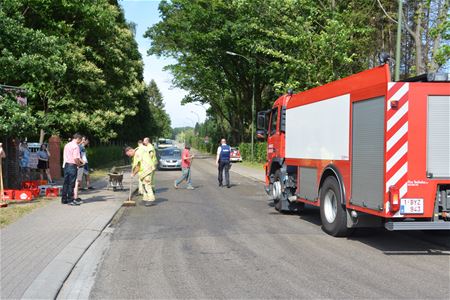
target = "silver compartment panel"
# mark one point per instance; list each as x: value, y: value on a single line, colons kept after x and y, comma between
x: 438, y: 136
x: 308, y: 184
x: 368, y: 153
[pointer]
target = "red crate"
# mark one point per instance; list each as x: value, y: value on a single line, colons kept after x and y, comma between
x: 35, y: 192
x: 42, y: 189
x: 29, y: 184
x: 52, y: 192
x: 41, y: 182
x: 8, y: 194
x: 23, y: 195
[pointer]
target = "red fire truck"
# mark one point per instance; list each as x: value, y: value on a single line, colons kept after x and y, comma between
x: 367, y: 151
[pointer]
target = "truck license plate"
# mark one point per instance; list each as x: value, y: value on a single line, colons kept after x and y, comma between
x: 411, y: 206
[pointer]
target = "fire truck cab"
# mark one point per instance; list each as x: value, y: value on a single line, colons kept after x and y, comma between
x: 369, y: 152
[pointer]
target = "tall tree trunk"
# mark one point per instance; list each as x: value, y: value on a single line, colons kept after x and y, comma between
x: 41, y: 136
x: 416, y: 34
x: 418, y: 40
x: 443, y: 8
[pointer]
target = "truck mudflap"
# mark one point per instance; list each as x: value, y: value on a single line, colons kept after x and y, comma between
x: 417, y: 225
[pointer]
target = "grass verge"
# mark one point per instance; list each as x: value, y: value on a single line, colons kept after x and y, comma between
x: 253, y: 165
x: 14, y: 211
x: 103, y: 171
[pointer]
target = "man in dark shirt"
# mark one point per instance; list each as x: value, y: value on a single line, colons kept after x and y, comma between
x: 223, y: 162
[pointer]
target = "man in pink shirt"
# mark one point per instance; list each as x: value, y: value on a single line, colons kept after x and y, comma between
x: 72, y: 160
x: 186, y: 160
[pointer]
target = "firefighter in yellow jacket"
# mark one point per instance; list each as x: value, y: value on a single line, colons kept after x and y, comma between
x: 148, y: 146
x: 143, y: 166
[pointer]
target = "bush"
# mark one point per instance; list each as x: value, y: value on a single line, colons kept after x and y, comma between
x: 102, y: 155
x: 199, y: 144
x: 260, y: 152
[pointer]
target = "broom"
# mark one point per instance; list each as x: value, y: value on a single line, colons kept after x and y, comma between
x: 130, y: 202
x: 2, y: 194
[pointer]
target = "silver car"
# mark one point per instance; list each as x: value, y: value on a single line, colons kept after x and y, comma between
x: 169, y: 158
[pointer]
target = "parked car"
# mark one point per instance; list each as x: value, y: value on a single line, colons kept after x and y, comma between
x: 235, y: 155
x: 169, y: 158
x: 164, y: 143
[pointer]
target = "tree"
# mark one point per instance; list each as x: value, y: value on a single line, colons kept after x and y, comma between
x: 80, y: 76
x: 287, y: 44
x: 425, y: 37
x: 154, y: 95
x: 150, y: 120
x: 15, y: 119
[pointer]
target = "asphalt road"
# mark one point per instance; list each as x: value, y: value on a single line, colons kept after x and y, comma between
x: 230, y: 243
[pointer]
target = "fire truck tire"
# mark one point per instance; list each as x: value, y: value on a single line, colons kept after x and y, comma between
x: 332, y: 212
x: 277, y: 202
x: 286, y: 207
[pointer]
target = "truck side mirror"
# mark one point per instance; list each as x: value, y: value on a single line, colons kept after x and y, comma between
x: 261, y: 135
x: 261, y: 120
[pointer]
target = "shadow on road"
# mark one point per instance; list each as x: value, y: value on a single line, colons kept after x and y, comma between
x: 161, y: 190
x: 160, y: 200
x: 402, y: 242
x: 389, y: 242
x: 94, y: 199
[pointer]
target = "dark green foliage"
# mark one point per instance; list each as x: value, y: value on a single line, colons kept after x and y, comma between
x: 297, y: 44
x: 15, y: 119
x: 102, y: 155
x: 287, y: 44
x: 81, y: 66
x: 260, y: 154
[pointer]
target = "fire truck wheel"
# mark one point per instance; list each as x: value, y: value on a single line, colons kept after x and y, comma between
x: 332, y: 213
x: 276, y: 189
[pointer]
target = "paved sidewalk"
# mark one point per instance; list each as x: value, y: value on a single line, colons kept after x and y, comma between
x: 249, y: 172
x: 39, y: 251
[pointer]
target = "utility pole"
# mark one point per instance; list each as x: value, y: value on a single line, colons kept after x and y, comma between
x: 399, y: 41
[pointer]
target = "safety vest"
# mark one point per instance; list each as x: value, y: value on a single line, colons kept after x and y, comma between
x: 225, y: 153
x: 150, y: 148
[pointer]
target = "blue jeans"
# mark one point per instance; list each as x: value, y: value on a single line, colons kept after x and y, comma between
x: 70, y: 176
x: 185, y: 175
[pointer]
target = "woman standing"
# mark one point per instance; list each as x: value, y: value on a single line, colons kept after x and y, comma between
x: 43, y: 157
x: 24, y: 159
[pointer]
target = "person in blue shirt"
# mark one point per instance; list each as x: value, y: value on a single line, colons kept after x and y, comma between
x: 24, y: 160
x: 223, y: 162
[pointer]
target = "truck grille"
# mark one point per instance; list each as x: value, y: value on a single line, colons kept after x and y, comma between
x: 438, y: 137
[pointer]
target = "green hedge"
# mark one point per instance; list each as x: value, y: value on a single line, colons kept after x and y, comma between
x: 102, y: 155
x: 199, y: 144
x: 260, y: 152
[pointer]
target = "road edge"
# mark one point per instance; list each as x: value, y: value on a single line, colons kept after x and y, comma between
x: 49, y: 282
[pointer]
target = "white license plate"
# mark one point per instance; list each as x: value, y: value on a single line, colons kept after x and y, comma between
x: 411, y: 206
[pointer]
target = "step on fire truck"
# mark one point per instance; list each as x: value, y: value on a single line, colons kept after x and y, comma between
x: 367, y: 151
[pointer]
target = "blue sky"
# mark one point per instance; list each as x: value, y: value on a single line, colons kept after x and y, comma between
x: 145, y: 13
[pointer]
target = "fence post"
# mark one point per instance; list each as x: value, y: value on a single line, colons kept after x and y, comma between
x: 54, y: 147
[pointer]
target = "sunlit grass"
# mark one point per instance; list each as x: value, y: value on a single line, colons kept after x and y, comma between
x: 16, y: 210
x: 253, y: 165
x: 104, y: 170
